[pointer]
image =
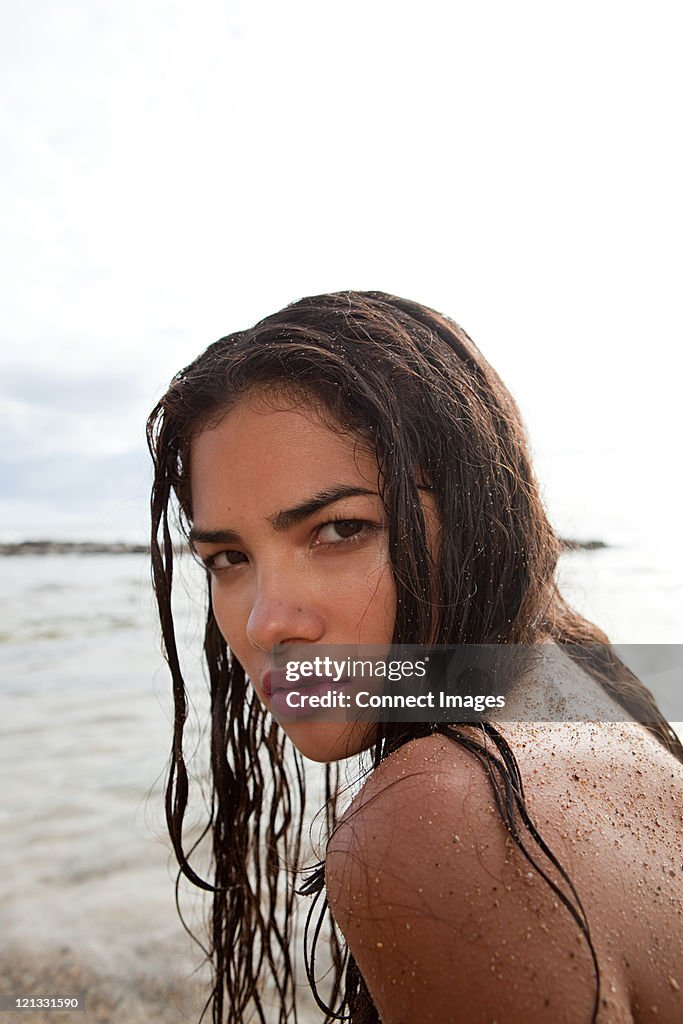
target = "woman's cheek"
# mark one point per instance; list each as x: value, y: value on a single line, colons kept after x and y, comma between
x: 227, y: 609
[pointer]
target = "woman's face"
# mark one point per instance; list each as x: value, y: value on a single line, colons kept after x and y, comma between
x: 289, y: 522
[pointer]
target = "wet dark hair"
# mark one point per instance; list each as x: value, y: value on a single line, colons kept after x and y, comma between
x: 412, y: 384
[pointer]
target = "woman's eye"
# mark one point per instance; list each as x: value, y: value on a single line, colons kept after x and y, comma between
x: 340, y: 530
x: 225, y: 560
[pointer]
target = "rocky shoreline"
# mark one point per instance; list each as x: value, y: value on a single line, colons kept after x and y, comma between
x: 68, y: 547
x: 582, y: 545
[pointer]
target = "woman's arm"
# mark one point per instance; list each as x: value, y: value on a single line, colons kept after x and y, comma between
x: 445, y: 918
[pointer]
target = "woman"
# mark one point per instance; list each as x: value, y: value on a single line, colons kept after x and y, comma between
x: 352, y: 471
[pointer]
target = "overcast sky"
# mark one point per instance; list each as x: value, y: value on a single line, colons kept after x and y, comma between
x: 174, y: 171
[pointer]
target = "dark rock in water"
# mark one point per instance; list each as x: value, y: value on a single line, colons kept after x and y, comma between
x: 59, y: 547
x: 582, y: 545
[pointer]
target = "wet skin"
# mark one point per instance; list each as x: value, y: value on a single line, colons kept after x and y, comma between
x: 448, y: 922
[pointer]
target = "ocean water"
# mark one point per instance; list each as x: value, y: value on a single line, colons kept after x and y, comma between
x: 86, y: 876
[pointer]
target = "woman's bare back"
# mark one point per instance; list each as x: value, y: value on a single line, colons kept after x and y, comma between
x: 449, y: 922
x: 609, y: 801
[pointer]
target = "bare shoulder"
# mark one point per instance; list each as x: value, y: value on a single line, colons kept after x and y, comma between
x: 440, y: 908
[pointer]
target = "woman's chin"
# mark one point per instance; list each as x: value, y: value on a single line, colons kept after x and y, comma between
x: 329, y: 741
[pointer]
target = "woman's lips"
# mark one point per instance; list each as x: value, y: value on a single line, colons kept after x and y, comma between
x: 276, y: 687
x: 276, y: 679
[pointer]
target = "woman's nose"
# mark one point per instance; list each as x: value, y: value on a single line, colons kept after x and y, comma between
x: 281, y: 613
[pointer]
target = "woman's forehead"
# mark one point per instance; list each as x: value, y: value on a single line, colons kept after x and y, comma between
x: 290, y: 419
x: 260, y: 454
x: 284, y: 397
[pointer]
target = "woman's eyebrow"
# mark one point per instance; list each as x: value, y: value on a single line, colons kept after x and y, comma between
x: 291, y: 516
x: 287, y: 517
x: 197, y: 535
